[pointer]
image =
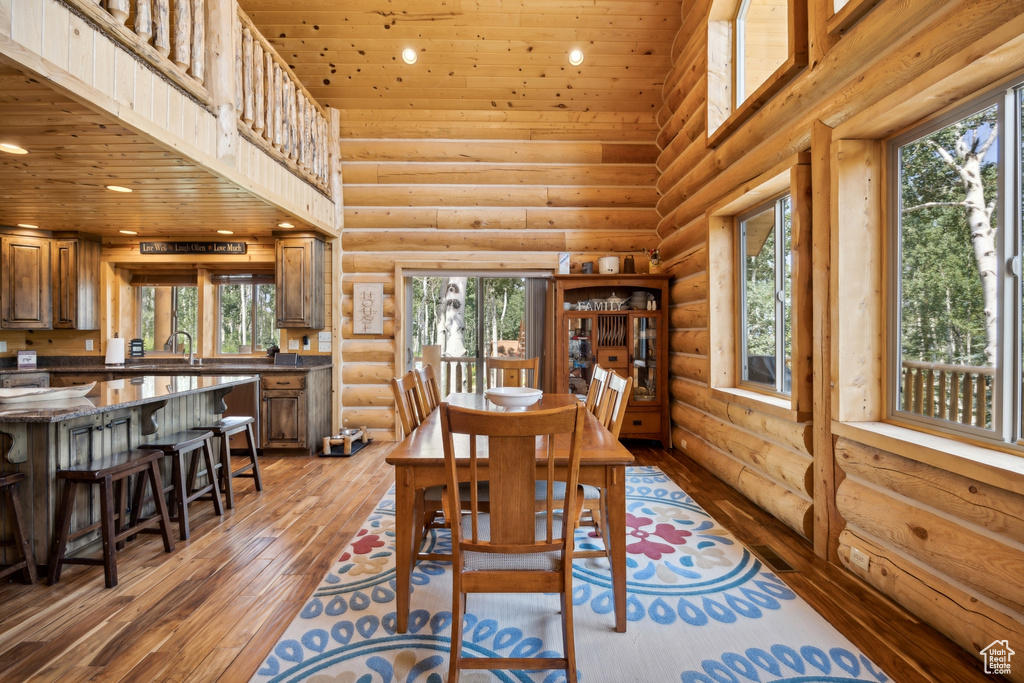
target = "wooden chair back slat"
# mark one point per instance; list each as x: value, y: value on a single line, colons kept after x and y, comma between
x: 431, y: 393
x: 512, y: 372
x: 612, y: 409
x: 598, y: 382
x: 407, y: 401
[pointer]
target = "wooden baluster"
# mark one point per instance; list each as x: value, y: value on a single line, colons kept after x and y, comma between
x: 293, y: 105
x: 257, y: 77
x: 247, y: 77
x: 278, y: 107
x: 162, y: 26
x: 942, y: 395
x: 919, y: 390
x: 119, y: 9
x: 286, y: 111
x: 268, y: 132
x: 458, y: 377
x: 954, y: 396
x: 447, y: 385
x: 181, y: 55
x: 198, y: 70
x: 239, y: 93
x: 144, y: 19
x: 929, y: 409
x: 967, y: 416
x: 981, y: 404
x: 300, y: 124
x: 908, y: 389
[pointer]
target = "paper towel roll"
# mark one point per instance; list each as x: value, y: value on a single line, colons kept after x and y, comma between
x: 115, y: 351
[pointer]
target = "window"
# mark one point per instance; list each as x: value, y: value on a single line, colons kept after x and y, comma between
x: 955, y: 314
x: 473, y: 316
x: 765, y: 293
x: 165, y: 309
x: 247, y: 313
x: 762, y: 43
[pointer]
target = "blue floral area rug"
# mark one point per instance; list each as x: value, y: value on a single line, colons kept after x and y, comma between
x: 702, y: 609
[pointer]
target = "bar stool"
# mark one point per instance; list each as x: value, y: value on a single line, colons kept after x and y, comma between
x: 224, y: 429
x: 9, y: 487
x: 109, y: 474
x: 177, y: 446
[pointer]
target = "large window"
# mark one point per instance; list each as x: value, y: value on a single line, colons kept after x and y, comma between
x: 955, y: 315
x: 762, y: 43
x: 765, y: 287
x: 164, y: 310
x: 247, y: 314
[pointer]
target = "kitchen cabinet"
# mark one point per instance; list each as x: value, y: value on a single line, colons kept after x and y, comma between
x: 25, y: 293
x: 295, y: 410
x: 606, y: 320
x: 25, y: 379
x: 300, y: 282
x: 76, y: 284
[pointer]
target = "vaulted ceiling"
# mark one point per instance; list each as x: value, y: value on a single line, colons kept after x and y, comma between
x: 476, y: 58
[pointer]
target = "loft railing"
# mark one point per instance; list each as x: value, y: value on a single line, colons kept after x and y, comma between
x: 956, y: 393
x: 169, y: 34
x: 275, y: 110
x: 250, y: 88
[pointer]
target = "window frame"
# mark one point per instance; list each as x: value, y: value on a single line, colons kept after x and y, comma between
x: 1008, y: 384
x: 246, y: 280
x: 779, y: 257
x: 175, y: 281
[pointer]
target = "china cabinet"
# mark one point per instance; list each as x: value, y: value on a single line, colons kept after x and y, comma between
x: 619, y: 322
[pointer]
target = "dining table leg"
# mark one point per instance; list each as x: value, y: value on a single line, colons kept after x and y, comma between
x: 405, y: 536
x: 616, y: 521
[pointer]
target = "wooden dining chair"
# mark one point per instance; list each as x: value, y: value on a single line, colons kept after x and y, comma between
x: 513, y: 372
x: 598, y: 381
x: 512, y: 548
x: 407, y: 402
x: 429, y: 390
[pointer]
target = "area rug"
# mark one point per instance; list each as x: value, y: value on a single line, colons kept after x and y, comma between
x: 701, y: 609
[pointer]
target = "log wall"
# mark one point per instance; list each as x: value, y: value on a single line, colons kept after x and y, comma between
x: 943, y: 537
x: 443, y: 189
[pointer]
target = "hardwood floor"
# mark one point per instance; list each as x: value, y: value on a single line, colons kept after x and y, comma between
x: 212, y: 609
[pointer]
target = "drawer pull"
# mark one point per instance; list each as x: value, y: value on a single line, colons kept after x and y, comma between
x: 637, y: 423
x: 612, y: 359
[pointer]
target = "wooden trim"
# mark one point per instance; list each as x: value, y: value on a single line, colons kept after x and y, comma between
x: 852, y: 12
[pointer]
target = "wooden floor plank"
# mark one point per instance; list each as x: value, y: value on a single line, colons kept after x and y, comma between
x: 213, y: 608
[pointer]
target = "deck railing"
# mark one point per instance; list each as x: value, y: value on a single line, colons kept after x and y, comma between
x: 957, y: 393
x: 457, y: 374
x: 275, y: 110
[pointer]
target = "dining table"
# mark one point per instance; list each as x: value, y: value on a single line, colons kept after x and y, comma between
x: 419, y: 463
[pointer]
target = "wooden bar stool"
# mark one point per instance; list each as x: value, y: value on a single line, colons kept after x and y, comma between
x: 9, y: 487
x: 109, y: 474
x: 224, y: 429
x: 177, y: 446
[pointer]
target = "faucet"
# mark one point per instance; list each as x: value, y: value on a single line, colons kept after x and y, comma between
x: 191, y: 348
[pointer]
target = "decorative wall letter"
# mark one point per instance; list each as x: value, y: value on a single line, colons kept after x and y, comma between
x: 368, y: 308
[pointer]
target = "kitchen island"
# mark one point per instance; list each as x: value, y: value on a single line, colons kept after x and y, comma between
x: 41, y: 437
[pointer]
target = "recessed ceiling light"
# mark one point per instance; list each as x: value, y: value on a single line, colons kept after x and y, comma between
x: 12, y: 148
x: 409, y: 55
x: 128, y: 232
x: 285, y: 225
x: 28, y: 225
x: 226, y: 232
x: 576, y: 57
x: 118, y: 188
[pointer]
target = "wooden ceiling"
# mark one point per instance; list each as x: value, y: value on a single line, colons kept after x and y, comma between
x: 476, y: 58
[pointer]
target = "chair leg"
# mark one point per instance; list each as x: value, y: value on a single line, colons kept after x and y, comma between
x: 180, y: 501
x: 225, y: 470
x: 211, y: 474
x: 157, y: 487
x: 568, y: 639
x: 20, y: 537
x: 458, y: 611
x: 250, y: 441
x: 60, y: 540
x: 108, y: 534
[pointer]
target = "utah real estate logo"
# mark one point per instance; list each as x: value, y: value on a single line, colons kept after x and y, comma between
x: 997, y: 657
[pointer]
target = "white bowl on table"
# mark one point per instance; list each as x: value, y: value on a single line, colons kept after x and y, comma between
x: 513, y: 397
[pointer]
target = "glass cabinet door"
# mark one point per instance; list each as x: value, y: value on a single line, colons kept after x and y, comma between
x: 645, y: 360
x: 580, y: 365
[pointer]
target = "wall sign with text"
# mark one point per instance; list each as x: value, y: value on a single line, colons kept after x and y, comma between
x: 191, y: 247
x: 368, y: 308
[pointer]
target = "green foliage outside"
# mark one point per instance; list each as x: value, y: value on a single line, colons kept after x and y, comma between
x: 942, y: 307
x: 761, y: 316
x: 247, y: 318
x: 502, y: 310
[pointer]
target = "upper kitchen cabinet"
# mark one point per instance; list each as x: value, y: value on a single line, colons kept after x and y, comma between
x: 25, y: 293
x: 300, y: 282
x: 76, y: 284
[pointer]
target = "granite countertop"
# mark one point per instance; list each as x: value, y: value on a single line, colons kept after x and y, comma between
x: 117, y: 394
x: 164, y: 365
